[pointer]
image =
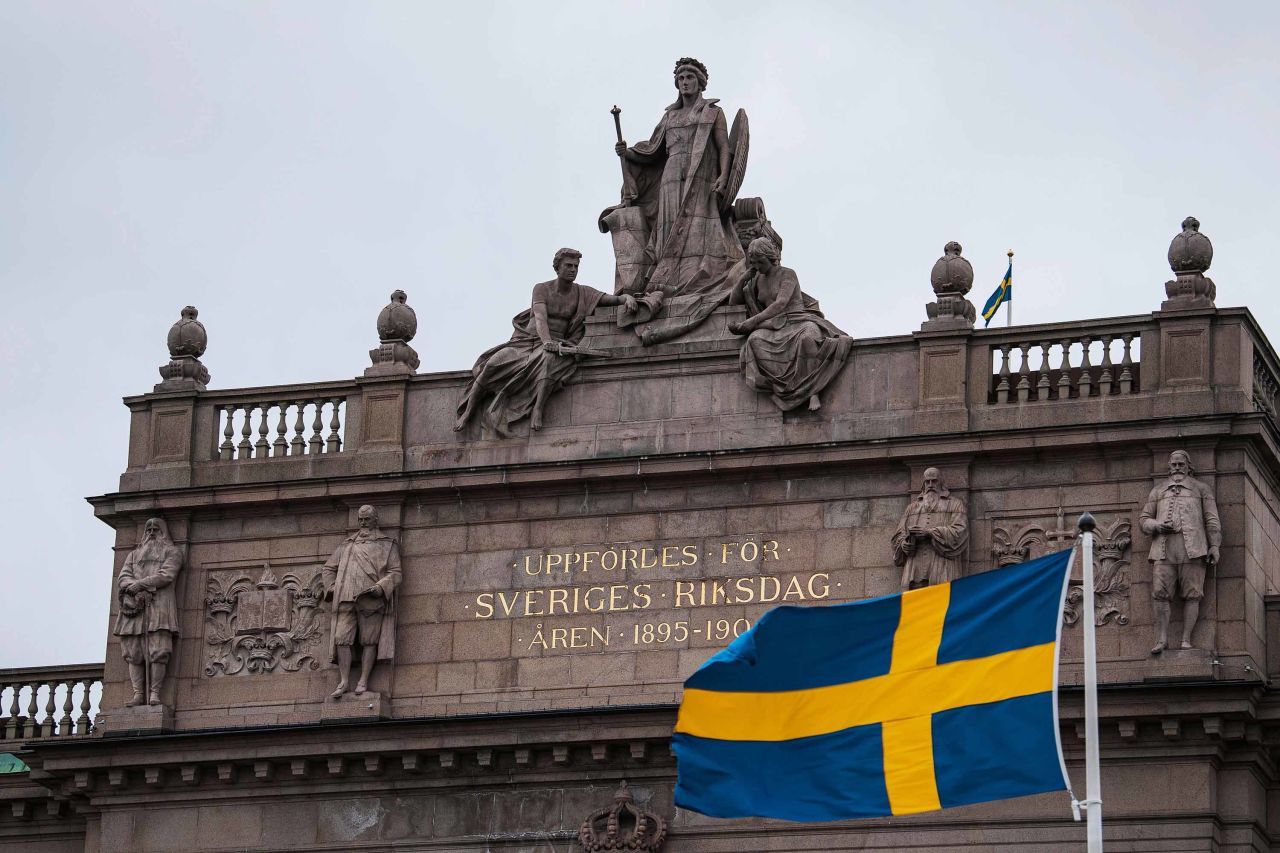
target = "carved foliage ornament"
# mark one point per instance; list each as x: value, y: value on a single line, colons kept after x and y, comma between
x: 622, y: 826
x: 1110, y: 577
x: 1111, y: 581
x: 265, y: 626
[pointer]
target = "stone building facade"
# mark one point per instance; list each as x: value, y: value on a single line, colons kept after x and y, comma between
x: 669, y: 465
x: 558, y: 585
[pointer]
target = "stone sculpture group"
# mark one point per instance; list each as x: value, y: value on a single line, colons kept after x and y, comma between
x: 684, y: 246
x: 682, y: 250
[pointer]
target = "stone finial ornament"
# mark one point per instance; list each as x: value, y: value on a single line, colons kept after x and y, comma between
x: 1190, y: 255
x: 952, y: 278
x: 397, y: 324
x: 622, y: 826
x: 187, y: 342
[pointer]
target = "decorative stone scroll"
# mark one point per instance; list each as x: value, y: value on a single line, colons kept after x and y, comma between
x: 264, y: 626
x: 623, y: 826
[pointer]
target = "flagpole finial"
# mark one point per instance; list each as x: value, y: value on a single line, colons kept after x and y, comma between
x: 1086, y: 523
x: 1010, y: 254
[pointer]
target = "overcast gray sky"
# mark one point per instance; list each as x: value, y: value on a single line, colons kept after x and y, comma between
x: 284, y: 166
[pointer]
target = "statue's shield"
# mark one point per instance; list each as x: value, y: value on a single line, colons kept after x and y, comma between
x: 739, y: 143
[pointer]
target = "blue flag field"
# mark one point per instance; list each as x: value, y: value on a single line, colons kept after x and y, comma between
x: 927, y: 699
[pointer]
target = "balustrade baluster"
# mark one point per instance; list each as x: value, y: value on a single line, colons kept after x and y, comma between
x: 316, y: 443
x: 244, y: 450
x: 297, y: 446
x: 1064, y: 371
x: 1042, y: 387
x: 11, y: 727
x: 334, y: 443
x: 1126, y: 365
x: 261, y: 449
x: 227, y: 450
x: 1024, y: 376
x: 65, y: 725
x: 1086, y: 370
x: 50, y: 710
x: 31, y: 728
x: 84, y: 724
x: 1002, y: 386
x: 279, y: 447
x: 1104, y: 381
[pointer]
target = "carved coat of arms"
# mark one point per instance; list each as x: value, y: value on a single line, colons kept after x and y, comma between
x: 268, y: 625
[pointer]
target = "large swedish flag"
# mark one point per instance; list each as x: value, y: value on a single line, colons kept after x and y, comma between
x: 927, y: 699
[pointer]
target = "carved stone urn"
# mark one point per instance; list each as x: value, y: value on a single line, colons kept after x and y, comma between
x: 1190, y: 254
x: 952, y: 278
x: 187, y: 342
x: 397, y: 324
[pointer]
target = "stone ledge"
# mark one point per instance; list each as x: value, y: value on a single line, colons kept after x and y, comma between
x: 138, y: 720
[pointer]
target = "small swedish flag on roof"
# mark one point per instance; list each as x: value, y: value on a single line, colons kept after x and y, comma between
x: 1003, y: 294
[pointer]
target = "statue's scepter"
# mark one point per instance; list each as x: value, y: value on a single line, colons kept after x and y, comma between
x: 628, y: 182
x: 617, y: 121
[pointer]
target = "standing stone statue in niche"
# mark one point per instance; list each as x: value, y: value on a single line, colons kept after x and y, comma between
x: 542, y: 353
x: 791, y: 351
x: 931, y: 539
x: 361, y: 578
x: 672, y: 231
x: 148, y: 618
x: 1181, y: 517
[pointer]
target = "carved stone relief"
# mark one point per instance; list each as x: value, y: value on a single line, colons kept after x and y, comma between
x: 1110, y: 577
x: 623, y: 826
x: 254, y: 627
x: 1014, y: 543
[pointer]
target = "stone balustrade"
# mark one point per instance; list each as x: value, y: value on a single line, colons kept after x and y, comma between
x: 48, y: 702
x: 1057, y: 362
x: 688, y: 396
x: 278, y: 428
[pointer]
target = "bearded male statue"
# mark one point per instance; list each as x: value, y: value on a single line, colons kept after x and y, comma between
x: 1181, y: 517
x: 361, y: 578
x: 931, y: 539
x: 148, y: 619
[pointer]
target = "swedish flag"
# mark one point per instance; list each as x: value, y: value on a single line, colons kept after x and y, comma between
x: 1003, y: 293
x: 937, y: 697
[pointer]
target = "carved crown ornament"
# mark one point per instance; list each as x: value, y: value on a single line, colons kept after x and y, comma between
x: 1011, y: 545
x: 622, y: 826
x: 253, y: 627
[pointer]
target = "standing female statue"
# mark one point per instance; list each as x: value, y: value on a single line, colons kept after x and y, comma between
x: 683, y: 180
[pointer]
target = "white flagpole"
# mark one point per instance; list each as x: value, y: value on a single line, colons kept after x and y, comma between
x: 1092, y: 771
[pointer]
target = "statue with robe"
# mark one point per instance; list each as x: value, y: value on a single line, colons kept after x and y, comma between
x: 673, y: 232
x: 513, y: 380
x: 148, y: 619
x: 933, y: 535
x: 792, y: 351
